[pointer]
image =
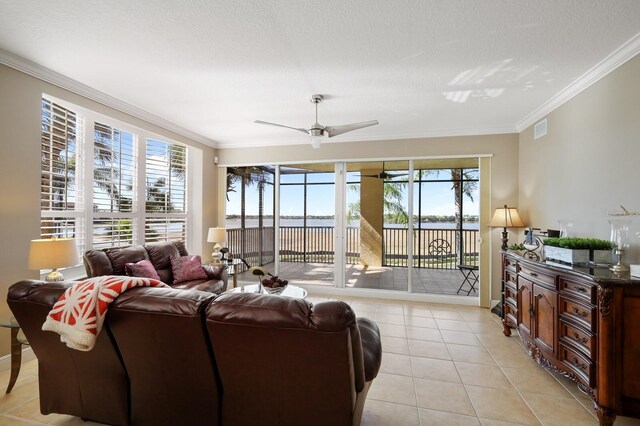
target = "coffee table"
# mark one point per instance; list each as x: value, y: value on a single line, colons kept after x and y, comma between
x: 291, y: 290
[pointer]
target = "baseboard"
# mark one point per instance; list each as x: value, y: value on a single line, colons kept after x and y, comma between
x: 27, y: 355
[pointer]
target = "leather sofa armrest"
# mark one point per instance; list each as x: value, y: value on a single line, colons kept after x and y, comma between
x: 371, y: 347
x: 216, y: 271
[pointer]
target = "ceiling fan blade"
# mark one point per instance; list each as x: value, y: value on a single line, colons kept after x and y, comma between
x: 338, y: 130
x: 385, y: 175
x: 282, y: 125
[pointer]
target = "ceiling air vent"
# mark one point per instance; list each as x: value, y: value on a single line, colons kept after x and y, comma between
x: 540, y: 129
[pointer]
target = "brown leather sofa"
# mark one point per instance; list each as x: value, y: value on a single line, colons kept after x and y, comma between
x: 112, y: 261
x: 168, y: 356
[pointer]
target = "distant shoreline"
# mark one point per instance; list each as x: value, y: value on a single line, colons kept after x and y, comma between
x: 425, y: 219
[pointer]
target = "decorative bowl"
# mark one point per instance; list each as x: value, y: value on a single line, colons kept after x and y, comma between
x: 274, y: 290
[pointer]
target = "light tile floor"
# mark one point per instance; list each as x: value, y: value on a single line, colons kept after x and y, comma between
x: 441, y: 365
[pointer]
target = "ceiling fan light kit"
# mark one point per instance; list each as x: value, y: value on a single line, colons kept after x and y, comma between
x: 317, y: 131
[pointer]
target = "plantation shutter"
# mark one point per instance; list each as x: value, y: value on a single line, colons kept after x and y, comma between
x: 114, y: 187
x: 166, y: 191
x: 61, y: 196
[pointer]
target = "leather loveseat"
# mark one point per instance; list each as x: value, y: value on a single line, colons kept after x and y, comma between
x: 112, y: 261
x: 167, y: 357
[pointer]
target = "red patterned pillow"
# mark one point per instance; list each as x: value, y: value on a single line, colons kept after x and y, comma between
x: 142, y: 269
x: 187, y: 268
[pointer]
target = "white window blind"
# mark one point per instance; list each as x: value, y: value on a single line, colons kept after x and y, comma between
x: 114, y: 175
x: 166, y: 191
x: 61, y: 195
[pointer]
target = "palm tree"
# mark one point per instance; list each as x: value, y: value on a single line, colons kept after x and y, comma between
x: 393, y: 202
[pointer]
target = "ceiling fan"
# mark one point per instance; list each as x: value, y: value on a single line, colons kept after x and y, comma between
x: 385, y: 175
x: 317, y: 131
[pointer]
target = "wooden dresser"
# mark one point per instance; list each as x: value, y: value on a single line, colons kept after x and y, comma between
x: 583, y: 323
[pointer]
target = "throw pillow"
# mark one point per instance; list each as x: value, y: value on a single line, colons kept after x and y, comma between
x: 187, y: 268
x: 142, y: 269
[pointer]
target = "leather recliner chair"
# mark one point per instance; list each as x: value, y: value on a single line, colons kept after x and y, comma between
x: 92, y: 385
x: 286, y: 361
x: 164, y: 345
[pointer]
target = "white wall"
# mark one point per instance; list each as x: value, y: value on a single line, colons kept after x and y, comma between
x: 589, y: 161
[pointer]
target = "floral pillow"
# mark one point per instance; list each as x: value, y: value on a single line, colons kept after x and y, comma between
x: 187, y: 268
x: 142, y: 269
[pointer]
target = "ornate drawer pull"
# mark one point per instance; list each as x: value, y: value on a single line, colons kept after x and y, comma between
x: 577, y: 363
x: 576, y: 336
x: 533, y: 274
x: 577, y: 311
x: 581, y: 289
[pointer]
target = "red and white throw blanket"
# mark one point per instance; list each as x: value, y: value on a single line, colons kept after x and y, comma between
x: 79, y: 313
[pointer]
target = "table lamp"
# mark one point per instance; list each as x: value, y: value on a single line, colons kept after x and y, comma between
x: 217, y: 236
x: 506, y: 217
x: 53, y: 253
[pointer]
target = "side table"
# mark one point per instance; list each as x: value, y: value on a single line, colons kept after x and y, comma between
x: 232, y: 269
x: 18, y: 339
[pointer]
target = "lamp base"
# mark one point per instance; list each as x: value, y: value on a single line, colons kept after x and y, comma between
x: 216, y: 256
x: 505, y: 239
x: 54, y: 276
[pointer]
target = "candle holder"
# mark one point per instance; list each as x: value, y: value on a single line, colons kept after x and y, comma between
x: 620, y: 239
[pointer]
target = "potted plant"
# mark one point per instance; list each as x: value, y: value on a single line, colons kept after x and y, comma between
x: 578, y: 250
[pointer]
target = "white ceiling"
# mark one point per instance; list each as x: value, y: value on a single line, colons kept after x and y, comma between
x: 422, y: 68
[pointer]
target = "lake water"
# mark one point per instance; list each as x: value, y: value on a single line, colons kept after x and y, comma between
x: 253, y: 223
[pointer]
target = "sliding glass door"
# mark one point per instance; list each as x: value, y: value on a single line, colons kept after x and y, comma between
x: 307, y: 224
x: 401, y: 225
x: 377, y: 225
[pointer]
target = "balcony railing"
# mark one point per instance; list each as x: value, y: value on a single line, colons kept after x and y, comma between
x: 432, y: 248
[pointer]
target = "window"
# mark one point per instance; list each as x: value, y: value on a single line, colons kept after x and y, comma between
x: 104, y: 187
x: 61, y: 196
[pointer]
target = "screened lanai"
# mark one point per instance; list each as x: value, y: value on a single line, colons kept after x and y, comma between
x: 359, y: 223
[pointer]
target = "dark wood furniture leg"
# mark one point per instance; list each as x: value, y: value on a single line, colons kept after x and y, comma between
x: 16, y: 358
x: 606, y: 416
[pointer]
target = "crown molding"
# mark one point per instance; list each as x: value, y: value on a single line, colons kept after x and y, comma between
x: 253, y: 143
x: 45, y: 74
x: 618, y: 57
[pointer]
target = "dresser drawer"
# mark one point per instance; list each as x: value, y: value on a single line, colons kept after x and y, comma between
x: 577, y: 364
x: 510, y: 277
x: 577, y: 338
x: 510, y: 292
x: 511, y: 315
x: 578, y: 290
x: 545, y: 279
x: 509, y: 263
x: 578, y: 313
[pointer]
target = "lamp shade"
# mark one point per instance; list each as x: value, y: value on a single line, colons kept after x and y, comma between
x: 506, y: 217
x: 53, y: 253
x: 216, y: 235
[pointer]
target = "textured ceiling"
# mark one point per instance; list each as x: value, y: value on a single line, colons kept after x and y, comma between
x: 422, y: 68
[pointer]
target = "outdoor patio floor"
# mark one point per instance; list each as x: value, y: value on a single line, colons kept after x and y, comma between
x: 432, y: 281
